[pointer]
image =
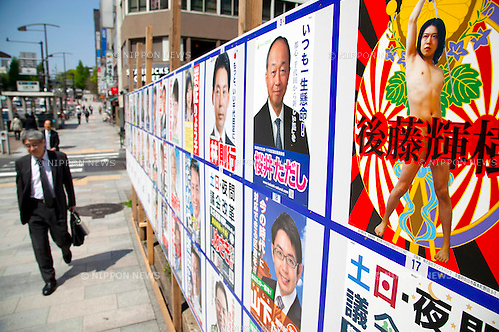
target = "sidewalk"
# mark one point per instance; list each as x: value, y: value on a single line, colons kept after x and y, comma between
x: 106, y: 286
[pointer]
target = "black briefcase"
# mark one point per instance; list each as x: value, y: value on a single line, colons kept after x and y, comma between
x: 78, y: 229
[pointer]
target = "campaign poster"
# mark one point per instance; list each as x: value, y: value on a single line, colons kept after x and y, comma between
x: 224, y: 212
x: 451, y: 153
x: 156, y: 212
x: 198, y: 103
x: 277, y: 265
x: 223, y: 309
x: 165, y: 230
x: 163, y: 115
x: 188, y: 113
x: 194, y: 198
x: 164, y: 169
x: 224, y: 105
x: 155, y: 108
x: 176, y: 253
x: 176, y: 118
x: 176, y: 189
x: 289, y: 82
x: 383, y: 294
x: 194, y: 273
x: 155, y: 143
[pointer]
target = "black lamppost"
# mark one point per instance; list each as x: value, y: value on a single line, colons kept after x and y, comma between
x: 41, y: 51
x: 25, y: 28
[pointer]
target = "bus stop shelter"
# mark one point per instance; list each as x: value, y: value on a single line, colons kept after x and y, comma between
x: 30, y: 94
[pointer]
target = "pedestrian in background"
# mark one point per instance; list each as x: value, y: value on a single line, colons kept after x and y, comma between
x: 16, y: 126
x: 30, y: 122
x: 87, y: 113
x: 78, y: 114
x: 43, y: 179
x: 51, y: 136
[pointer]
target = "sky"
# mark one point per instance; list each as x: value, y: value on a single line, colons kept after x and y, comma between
x: 75, y: 35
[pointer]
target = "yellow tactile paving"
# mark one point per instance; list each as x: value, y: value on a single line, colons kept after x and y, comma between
x: 85, y: 180
x: 90, y: 151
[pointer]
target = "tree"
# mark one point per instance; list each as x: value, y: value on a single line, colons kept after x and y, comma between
x: 92, y: 82
x: 13, y: 74
x: 81, y: 75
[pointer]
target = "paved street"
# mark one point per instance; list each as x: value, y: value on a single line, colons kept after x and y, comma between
x: 106, y: 286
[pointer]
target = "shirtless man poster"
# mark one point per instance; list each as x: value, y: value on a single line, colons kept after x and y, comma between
x: 424, y: 85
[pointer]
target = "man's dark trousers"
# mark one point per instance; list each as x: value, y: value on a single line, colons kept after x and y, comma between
x: 44, y: 219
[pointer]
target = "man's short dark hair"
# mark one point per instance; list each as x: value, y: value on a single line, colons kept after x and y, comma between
x: 287, y: 224
x: 194, y: 165
x: 441, y: 33
x: 222, y: 62
x: 287, y: 46
x: 175, y: 90
x: 220, y: 285
x: 32, y: 135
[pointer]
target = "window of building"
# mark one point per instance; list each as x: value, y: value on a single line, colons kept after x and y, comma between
x: 266, y: 10
x: 137, y: 6
x: 158, y: 4
x: 226, y: 7
x: 279, y: 7
x: 211, y: 6
x: 200, y: 47
x: 183, y: 5
x: 197, y: 5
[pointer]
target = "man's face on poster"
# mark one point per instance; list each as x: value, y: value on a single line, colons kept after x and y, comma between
x: 220, y: 98
x: 174, y: 114
x: 196, y: 275
x: 221, y: 306
x: 277, y: 73
x: 195, y: 192
x: 284, y: 253
x: 178, y: 247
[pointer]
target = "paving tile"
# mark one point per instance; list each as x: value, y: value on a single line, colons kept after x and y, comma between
x: 118, y: 318
x: 25, y: 319
x: 73, y: 325
x: 149, y: 326
x: 82, y: 308
x: 7, y: 281
x: 61, y: 296
x: 8, y: 306
x: 135, y: 297
x: 15, y: 269
x: 114, y: 286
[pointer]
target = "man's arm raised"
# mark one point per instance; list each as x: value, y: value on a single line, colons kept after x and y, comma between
x: 410, y: 49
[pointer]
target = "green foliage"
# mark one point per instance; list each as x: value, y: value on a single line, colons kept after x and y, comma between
x: 81, y: 75
x: 396, y: 90
x: 466, y: 86
x: 13, y: 74
x: 128, y: 204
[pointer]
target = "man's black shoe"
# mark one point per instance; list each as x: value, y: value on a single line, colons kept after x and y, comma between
x: 67, y: 256
x: 49, y: 288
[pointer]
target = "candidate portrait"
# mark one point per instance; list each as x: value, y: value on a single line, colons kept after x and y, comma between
x: 277, y: 125
x: 220, y: 98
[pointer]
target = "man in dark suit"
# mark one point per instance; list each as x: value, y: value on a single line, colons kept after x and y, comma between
x: 220, y: 98
x: 287, y: 258
x: 277, y: 125
x: 51, y: 136
x: 41, y: 178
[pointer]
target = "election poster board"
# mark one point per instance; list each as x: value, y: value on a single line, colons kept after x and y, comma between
x: 213, y: 184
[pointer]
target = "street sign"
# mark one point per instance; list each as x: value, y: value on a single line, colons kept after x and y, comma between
x: 28, y: 86
x: 27, y: 63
